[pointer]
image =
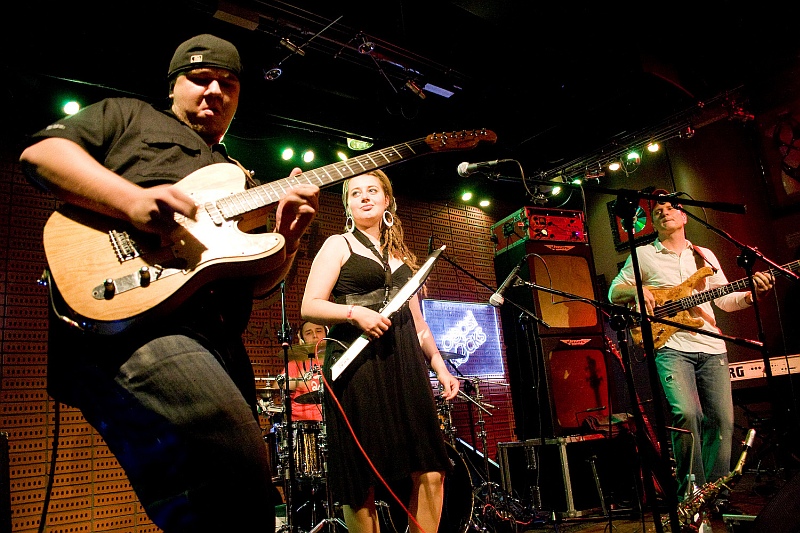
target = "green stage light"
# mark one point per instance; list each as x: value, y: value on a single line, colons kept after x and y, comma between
x: 71, y: 107
x: 287, y: 154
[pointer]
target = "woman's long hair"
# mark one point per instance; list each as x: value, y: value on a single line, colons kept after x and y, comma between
x: 391, y: 236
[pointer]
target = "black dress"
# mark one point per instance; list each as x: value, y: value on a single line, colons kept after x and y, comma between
x: 386, y: 395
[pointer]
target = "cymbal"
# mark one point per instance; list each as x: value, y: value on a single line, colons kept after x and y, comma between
x: 299, y: 352
x: 310, y: 397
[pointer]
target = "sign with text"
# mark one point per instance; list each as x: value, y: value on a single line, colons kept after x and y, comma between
x: 468, y: 336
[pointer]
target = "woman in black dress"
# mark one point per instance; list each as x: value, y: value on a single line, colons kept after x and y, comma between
x: 382, y: 406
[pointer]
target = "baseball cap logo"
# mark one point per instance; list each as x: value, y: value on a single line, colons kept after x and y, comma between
x: 196, y: 58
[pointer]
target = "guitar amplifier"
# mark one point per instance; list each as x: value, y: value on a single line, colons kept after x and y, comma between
x: 538, y: 224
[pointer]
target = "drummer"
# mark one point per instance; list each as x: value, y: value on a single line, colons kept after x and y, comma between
x: 306, y: 373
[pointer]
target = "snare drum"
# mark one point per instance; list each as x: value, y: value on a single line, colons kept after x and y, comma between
x: 307, y: 443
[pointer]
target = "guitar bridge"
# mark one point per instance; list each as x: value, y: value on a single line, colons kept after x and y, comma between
x: 124, y: 247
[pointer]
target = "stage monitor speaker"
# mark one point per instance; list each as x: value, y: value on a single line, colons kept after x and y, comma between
x: 782, y: 513
x: 556, y: 383
x: 564, y: 267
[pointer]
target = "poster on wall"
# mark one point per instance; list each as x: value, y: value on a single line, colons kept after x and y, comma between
x: 467, y: 335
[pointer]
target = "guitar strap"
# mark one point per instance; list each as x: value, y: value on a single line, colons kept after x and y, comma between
x: 701, y: 261
x: 384, y: 259
x: 248, y: 174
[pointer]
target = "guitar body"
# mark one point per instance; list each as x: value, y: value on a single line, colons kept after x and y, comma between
x: 82, y: 255
x: 662, y: 332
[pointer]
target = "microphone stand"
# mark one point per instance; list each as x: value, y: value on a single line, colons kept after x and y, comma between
x: 285, y: 338
x: 524, y: 309
x: 625, y: 208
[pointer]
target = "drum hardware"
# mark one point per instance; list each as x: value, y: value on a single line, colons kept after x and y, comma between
x: 491, y: 503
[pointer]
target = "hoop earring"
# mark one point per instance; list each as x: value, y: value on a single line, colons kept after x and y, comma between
x: 349, y: 224
x: 390, y: 222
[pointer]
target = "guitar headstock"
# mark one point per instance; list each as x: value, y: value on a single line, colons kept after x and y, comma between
x: 459, y: 140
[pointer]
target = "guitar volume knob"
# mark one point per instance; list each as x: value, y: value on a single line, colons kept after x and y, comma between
x: 144, y: 276
x: 109, y: 287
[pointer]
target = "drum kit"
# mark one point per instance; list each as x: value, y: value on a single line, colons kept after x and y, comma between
x: 297, y: 448
x: 303, y: 471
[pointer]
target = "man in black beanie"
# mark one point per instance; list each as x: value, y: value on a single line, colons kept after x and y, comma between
x: 171, y: 389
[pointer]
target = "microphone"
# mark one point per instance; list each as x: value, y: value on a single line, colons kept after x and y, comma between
x: 497, y: 298
x: 430, y: 245
x: 465, y: 169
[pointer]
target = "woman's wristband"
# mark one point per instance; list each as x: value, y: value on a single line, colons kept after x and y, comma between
x: 350, y: 314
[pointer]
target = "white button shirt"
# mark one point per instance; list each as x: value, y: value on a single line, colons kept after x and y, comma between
x: 663, y: 268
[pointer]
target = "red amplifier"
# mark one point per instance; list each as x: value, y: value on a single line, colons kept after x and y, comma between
x: 538, y: 224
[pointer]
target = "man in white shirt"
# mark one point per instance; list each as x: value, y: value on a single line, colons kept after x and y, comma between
x: 693, y: 368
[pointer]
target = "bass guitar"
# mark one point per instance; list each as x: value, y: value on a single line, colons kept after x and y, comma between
x: 674, y: 303
x: 111, y: 277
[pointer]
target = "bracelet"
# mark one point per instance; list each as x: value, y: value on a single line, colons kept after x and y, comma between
x: 350, y: 314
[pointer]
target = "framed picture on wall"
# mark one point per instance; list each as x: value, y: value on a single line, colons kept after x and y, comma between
x: 780, y: 134
x: 643, y: 226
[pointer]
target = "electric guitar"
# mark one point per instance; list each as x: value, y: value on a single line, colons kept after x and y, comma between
x: 111, y: 276
x: 674, y: 304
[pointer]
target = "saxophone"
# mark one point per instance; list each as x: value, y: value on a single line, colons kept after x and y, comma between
x: 693, y: 510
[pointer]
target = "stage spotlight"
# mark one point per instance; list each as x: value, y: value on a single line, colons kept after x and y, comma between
x: 466, y: 196
x: 71, y: 107
x: 653, y: 147
x: 614, y: 166
x: 308, y: 156
x: 272, y: 74
x: 287, y: 154
x: 366, y: 47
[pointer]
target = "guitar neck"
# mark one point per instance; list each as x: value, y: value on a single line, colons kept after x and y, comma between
x: 706, y: 296
x: 249, y: 200
x: 269, y: 193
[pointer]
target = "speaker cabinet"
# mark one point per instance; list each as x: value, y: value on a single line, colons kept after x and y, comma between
x: 781, y: 514
x: 568, y: 269
x: 556, y: 383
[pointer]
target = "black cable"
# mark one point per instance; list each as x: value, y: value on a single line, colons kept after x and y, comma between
x: 49, y: 489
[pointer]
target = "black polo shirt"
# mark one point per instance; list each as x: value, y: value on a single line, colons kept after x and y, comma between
x: 131, y: 137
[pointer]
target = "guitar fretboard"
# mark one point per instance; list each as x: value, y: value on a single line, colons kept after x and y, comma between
x: 269, y: 193
x: 687, y: 302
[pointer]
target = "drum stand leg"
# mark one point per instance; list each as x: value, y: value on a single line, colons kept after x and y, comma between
x: 490, y: 498
x: 330, y: 519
